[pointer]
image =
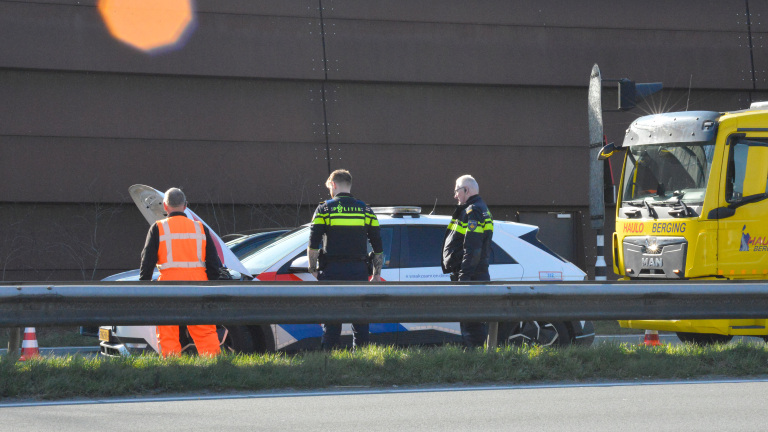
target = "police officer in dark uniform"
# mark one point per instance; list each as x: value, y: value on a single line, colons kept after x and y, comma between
x: 466, y: 247
x: 341, y: 229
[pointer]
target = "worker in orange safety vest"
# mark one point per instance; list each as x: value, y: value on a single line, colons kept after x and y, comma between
x: 183, y: 250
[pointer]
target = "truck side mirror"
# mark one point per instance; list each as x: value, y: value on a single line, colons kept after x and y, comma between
x: 607, y: 151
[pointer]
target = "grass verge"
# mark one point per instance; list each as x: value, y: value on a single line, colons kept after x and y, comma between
x: 373, y: 366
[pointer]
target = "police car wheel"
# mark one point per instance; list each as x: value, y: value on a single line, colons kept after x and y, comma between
x: 704, y: 338
x: 235, y: 339
x: 534, y: 333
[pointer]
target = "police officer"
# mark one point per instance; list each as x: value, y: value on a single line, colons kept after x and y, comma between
x: 466, y: 247
x: 183, y: 251
x: 341, y: 228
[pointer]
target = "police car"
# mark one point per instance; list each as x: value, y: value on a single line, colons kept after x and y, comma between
x: 412, y: 252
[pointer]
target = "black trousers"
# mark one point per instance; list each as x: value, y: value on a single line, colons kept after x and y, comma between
x: 344, y: 271
x: 473, y: 334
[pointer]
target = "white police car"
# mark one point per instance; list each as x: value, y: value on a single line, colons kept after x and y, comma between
x: 412, y: 250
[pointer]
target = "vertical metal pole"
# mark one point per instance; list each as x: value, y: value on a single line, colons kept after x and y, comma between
x: 493, y: 335
x: 596, y: 189
x: 14, y: 342
x: 323, y: 91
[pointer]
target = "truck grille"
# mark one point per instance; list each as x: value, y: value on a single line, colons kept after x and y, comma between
x: 655, y: 257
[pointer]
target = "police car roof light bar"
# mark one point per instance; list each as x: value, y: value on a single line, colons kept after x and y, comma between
x: 397, y: 210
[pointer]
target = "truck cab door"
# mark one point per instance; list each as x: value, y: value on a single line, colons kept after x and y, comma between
x: 743, y: 225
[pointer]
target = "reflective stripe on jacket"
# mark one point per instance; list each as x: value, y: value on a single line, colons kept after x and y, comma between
x: 467, y: 241
x: 348, y: 224
x: 181, y: 252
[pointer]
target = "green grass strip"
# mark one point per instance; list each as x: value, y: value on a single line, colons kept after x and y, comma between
x: 373, y: 366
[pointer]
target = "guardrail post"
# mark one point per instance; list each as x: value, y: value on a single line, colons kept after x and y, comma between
x: 14, y: 342
x: 493, y: 335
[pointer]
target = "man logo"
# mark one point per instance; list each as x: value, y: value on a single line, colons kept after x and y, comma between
x: 652, y: 262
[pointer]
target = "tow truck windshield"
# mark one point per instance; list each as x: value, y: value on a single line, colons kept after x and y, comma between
x: 667, y: 174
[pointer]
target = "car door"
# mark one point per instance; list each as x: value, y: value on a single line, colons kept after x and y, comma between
x: 296, y: 265
x: 421, y: 252
x: 422, y: 248
x: 390, y: 239
x: 420, y: 256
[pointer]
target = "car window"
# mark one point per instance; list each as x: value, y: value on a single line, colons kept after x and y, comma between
x: 425, y: 248
x: 743, y: 150
x: 532, y: 238
x: 276, y: 250
x: 247, y: 246
x: 499, y: 256
x: 390, y: 236
x: 390, y: 243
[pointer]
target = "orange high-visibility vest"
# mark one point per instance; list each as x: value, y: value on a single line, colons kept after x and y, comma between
x: 181, y: 255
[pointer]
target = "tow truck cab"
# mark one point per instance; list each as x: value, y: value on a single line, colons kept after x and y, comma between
x: 693, y: 205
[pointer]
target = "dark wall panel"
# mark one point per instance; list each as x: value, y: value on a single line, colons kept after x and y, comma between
x: 41, y: 239
x: 85, y: 241
x: 289, y: 8
x: 264, y: 39
x: 488, y: 42
x: 156, y: 107
x: 457, y: 115
x: 549, y: 119
x: 101, y: 170
x: 417, y: 174
x: 712, y: 15
x: 521, y: 55
x: 759, y: 24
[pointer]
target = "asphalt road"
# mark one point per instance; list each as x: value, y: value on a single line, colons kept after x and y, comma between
x: 679, y: 406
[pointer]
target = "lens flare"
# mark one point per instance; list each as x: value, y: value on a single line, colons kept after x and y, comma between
x: 149, y: 25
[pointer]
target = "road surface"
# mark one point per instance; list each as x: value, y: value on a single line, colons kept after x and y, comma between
x: 674, y: 406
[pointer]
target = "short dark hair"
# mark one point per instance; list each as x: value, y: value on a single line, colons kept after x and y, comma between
x: 339, y: 176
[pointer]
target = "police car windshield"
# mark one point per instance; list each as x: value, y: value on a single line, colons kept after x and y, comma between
x: 273, y: 252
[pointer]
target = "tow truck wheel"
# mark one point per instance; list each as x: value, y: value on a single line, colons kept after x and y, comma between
x: 704, y: 338
x: 536, y: 333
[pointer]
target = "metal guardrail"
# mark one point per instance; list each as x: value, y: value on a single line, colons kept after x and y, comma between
x: 121, y: 303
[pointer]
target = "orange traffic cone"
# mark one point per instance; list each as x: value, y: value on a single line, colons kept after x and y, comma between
x: 29, y: 344
x: 651, y: 338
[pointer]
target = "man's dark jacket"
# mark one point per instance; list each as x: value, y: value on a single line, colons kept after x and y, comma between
x: 348, y: 224
x: 467, y: 243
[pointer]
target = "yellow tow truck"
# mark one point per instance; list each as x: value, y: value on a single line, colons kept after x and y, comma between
x: 693, y: 204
